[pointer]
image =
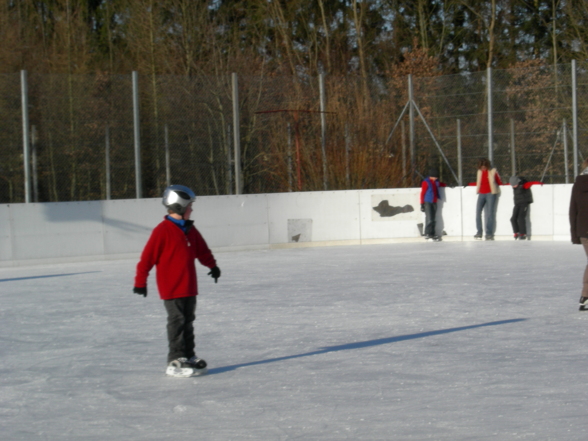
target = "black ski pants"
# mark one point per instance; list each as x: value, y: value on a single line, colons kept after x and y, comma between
x: 181, y: 314
x: 519, y: 218
x: 430, y: 214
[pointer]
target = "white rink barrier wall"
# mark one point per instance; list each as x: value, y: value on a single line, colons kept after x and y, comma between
x: 118, y: 229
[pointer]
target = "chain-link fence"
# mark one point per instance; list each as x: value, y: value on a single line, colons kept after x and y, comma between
x: 294, y: 134
x: 531, y: 125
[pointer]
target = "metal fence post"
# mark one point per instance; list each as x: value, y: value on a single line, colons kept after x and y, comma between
x: 229, y: 184
x: 490, y: 121
x: 290, y: 171
x: 323, y: 128
x: 34, y: 139
x: 167, y: 160
x: 403, y: 140
x: 565, y: 145
x: 347, y: 151
x: 459, y: 157
x: 575, y: 117
x: 512, y: 147
x: 411, y: 130
x: 26, y: 142
x: 107, y: 160
x: 236, y: 134
x: 137, y: 131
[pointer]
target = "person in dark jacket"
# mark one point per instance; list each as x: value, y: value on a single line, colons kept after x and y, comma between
x: 429, y: 197
x: 523, y: 197
x: 579, y: 223
x: 172, y: 248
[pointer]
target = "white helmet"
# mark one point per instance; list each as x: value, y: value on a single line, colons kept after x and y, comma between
x: 177, y: 198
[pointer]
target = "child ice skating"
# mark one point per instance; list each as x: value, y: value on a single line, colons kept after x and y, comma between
x: 172, y: 248
x: 429, y: 197
x: 523, y: 197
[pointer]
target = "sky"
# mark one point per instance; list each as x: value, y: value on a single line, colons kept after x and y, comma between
x: 416, y: 341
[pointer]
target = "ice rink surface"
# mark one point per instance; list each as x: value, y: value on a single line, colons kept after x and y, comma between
x: 429, y: 341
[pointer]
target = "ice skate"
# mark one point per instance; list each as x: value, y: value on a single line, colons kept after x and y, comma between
x: 437, y: 239
x: 522, y: 237
x: 583, y: 303
x: 478, y: 237
x: 489, y: 237
x: 183, y: 368
x: 516, y: 236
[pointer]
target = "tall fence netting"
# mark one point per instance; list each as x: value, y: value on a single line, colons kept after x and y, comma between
x: 83, y: 135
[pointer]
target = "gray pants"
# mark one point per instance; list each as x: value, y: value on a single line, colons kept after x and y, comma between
x: 181, y: 314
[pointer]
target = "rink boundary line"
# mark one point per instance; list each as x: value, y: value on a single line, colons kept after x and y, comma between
x: 275, y: 246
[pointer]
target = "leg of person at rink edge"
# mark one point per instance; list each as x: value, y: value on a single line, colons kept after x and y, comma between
x: 514, y: 220
x: 584, y: 241
x: 479, y: 208
x: 430, y: 213
x: 491, y: 214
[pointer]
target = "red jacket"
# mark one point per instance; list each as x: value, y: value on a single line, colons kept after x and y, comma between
x: 173, y: 253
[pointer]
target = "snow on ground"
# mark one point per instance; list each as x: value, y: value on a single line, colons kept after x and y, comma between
x: 440, y: 341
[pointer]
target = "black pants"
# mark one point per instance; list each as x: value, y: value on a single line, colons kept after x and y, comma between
x: 519, y: 218
x: 181, y: 314
x: 430, y: 214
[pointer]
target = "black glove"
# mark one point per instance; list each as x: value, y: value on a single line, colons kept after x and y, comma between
x: 423, y: 208
x: 214, y: 273
x: 140, y: 291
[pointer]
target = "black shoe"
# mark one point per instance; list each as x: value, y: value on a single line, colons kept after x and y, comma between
x: 182, y: 367
x: 478, y: 237
x: 197, y: 363
x: 583, y: 303
x: 489, y: 237
x: 192, y: 363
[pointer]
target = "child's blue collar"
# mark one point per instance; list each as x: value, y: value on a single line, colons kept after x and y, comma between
x: 179, y: 222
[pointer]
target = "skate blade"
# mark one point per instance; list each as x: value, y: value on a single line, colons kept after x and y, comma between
x: 199, y: 372
x: 185, y: 372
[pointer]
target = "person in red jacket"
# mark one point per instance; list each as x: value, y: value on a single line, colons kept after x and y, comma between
x: 429, y: 197
x: 172, y: 248
x: 487, y: 186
